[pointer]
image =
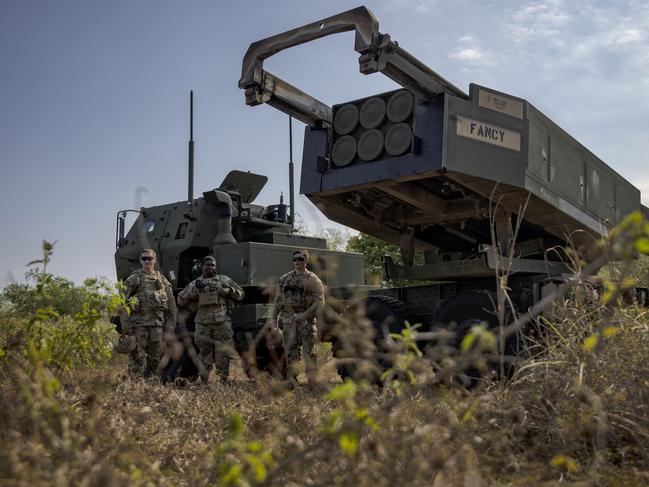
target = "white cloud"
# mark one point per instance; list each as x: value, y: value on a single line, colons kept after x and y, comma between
x: 470, y: 52
x: 618, y: 37
x: 626, y: 36
x: 469, y: 55
x: 580, y: 40
x: 539, y: 19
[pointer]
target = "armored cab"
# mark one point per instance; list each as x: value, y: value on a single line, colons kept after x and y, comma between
x: 252, y: 243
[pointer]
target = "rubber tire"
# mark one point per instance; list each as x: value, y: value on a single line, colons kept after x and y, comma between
x: 266, y: 360
x: 184, y: 367
x: 387, y: 315
x: 344, y: 370
x: 471, y: 308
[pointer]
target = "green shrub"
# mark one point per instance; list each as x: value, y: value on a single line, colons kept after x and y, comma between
x: 68, y: 324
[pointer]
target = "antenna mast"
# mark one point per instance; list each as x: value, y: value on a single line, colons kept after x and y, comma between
x: 291, y: 194
x: 190, y: 173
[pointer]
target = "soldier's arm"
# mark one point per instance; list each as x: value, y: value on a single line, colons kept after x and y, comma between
x: 236, y: 292
x: 188, y: 295
x: 277, y: 301
x: 316, y: 291
x: 130, y: 286
x: 172, y: 311
x: 129, y: 290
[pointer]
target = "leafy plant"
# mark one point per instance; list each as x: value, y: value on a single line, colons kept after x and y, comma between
x: 406, y: 359
x: 350, y: 420
x: 66, y: 323
x: 240, y: 462
x: 373, y: 249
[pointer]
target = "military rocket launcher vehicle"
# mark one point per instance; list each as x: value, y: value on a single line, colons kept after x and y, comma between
x: 434, y: 169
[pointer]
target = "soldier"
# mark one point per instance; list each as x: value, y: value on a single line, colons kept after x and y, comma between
x: 298, y: 300
x: 215, y: 294
x: 154, y: 306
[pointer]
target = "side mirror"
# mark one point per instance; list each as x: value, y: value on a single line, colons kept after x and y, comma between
x: 120, y: 241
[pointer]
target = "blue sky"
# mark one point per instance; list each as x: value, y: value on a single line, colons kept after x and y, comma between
x: 94, y: 95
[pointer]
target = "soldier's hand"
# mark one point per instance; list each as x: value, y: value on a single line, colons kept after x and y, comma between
x: 299, y: 317
x: 169, y: 336
x: 273, y: 335
x: 225, y: 290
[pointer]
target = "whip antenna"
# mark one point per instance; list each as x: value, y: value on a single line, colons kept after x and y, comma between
x: 190, y: 172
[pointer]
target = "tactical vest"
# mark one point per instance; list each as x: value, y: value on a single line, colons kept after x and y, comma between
x: 293, y: 293
x: 212, y: 306
x: 151, y: 293
x: 210, y: 294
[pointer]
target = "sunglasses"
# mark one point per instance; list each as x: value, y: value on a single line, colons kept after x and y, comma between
x: 298, y: 259
x: 146, y: 258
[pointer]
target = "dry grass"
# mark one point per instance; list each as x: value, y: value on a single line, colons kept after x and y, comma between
x: 568, y: 414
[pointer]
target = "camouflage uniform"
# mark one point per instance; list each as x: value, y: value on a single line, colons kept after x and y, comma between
x: 299, y: 293
x: 213, y: 335
x: 154, y: 306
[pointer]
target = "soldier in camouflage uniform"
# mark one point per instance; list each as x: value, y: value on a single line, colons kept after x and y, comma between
x: 216, y: 295
x: 154, y: 307
x: 298, y: 300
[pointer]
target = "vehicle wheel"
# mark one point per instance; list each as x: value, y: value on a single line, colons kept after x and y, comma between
x: 386, y: 315
x: 184, y: 367
x: 339, y: 352
x: 466, y: 310
x: 268, y: 355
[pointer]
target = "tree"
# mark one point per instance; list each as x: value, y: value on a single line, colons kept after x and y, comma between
x: 336, y: 238
x: 373, y: 249
x: 66, y: 324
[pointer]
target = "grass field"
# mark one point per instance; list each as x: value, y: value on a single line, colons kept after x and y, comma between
x: 571, y: 416
x: 573, y: 411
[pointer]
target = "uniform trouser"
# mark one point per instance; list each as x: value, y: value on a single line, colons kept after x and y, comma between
x: 294, y: 335
x: 215, y: 346
x: 145, y: 359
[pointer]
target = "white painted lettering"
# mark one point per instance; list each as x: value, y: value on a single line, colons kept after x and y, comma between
x: 491, y: 134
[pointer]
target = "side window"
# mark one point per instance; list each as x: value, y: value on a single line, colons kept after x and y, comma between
x: 148, y: 226
x: 182, y: 231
